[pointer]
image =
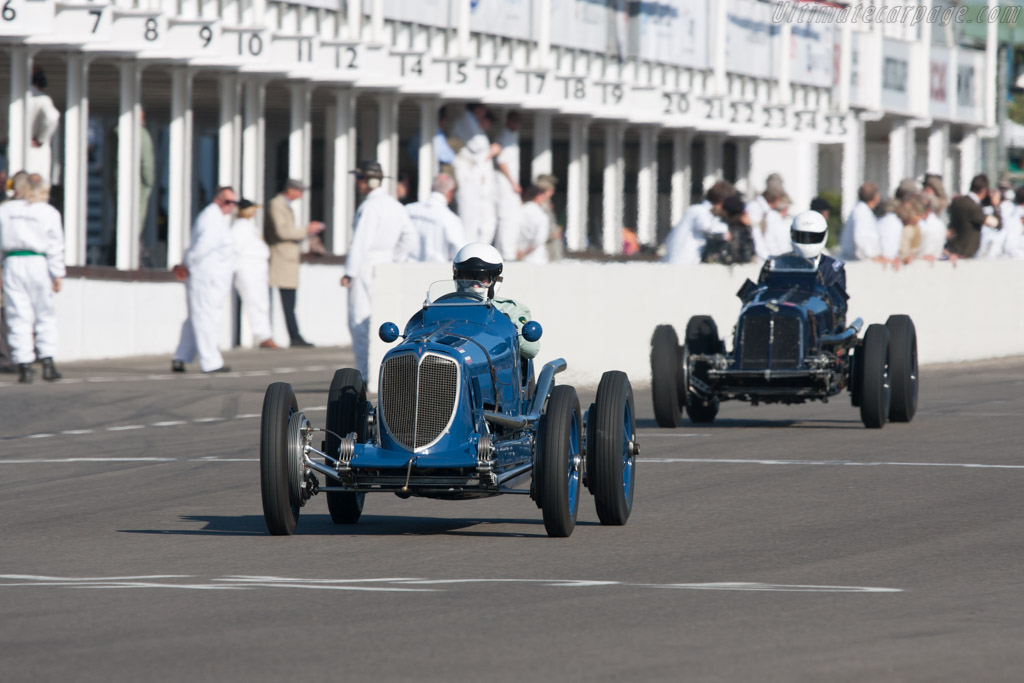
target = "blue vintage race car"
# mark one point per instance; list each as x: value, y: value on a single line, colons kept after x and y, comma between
x: 790, y: 345
x: 458, y: 416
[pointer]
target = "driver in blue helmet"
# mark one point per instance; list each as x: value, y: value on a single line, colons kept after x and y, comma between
x: 477, y: 269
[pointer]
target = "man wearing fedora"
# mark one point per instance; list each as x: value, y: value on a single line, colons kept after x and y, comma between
x: 284, y: 237
x: 383, y: 234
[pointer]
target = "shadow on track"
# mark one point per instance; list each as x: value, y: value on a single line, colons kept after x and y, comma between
x: 733, y: 423
x: 369, y: 525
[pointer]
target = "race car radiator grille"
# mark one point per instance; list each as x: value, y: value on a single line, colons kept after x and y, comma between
x: 756, y: 342
x: 436, y: 401
x: 398, y: 397
x: 770, y: 342
x: 785, y: 342
x: 418, y: 397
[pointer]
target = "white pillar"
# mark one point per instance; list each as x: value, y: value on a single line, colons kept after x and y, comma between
x: 923, y: 77
x: 377, y: 21
x: 17, y: 111
x: 682, y: 173
x: 344, y: 148
x: 744, y: 183
x: 853, y: 162
x: 354, y: 19
x: 76, y: 136
x: 713, y: 143
x: 462, y: 14
x: 427, y: 157
x: 387, y: 139
x: 540, y: 164
x: 299, y: 144
x: 614, y: 169
x: 938, y: 148
x: 991, y: 87
x: 721, y: 17
x: 782, y: 65
x: 969, y: 158
x: 253, y: 141
x: 229, y: 133
x: 901, y: 153
x: 845, y: 65
x: 128, y: 167
x: 180, y: 175
x: 542, y: 57
x: 577, y: 194
x: 647, y: 187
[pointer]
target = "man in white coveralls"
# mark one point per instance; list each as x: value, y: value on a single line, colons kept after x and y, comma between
x: 383, y: 234
x: 208, y: 271
x: 32, y: 244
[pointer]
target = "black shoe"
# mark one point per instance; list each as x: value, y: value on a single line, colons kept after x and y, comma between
x: 177, y: 366
x: 300, y: 343
x: 222, y: 368
x: 26, y: 373
x: 50, y: 373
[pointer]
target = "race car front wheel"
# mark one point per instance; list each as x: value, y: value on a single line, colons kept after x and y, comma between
x: 346, y: 413
x: 611, y: 447
x: 281, y: 501
x: 875, y: 389
x: 702, y: 339
x: 665, y: 376
x: 902, y: 367
x: 559, y: 466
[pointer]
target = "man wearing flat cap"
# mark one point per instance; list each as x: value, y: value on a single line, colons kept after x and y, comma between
x: 284, y: 237
x: 383, y: 234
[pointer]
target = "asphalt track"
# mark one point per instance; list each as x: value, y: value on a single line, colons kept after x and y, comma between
x: 779, y: 544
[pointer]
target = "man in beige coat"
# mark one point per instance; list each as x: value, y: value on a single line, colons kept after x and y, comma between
x: 284, y: 237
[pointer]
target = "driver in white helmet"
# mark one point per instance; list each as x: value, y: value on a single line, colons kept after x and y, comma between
x: 808, y: 234
x: 477, y: 269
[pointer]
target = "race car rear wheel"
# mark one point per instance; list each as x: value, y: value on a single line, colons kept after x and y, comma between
x: 280, y: 502
x: 613, y: 444
x: 346, y: 413
x: 559, y: 465
x: 666, y: 368
x: 902, y: 368
x: 702, y: 338
x: 875, y: 390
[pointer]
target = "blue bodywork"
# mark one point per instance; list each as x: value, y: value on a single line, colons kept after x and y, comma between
x: 790, y: 342
x: 492, y: 378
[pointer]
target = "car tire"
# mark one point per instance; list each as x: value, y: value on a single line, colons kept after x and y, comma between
x: 902, y: 368
x: 612, y: 443
x: 702, y: 338
x: 875, y: 389
x: 856, y: 382
x: 559, y: 470
x: 665, y: 376
x: 346, y: 413
x: 280, y: 505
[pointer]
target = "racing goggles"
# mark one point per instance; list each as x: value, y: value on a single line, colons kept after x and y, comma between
x: 805, y: 237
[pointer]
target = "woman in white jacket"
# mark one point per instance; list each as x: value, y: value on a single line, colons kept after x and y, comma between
x: 252, y: 267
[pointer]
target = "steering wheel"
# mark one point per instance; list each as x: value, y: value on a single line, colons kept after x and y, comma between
x: 473, y: 296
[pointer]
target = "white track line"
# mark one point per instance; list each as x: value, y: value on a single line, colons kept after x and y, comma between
x: 102, y: 379
x: 833, y: 463
x: 389, y: 585
x: 165, y: 423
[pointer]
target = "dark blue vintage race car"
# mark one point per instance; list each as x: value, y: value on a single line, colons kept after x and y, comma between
x: 458, y: 416
x: 790, y: 345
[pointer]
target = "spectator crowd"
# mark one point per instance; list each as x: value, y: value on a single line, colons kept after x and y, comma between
x: 918, y: 223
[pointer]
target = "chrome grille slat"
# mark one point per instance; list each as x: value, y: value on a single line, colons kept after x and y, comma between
x: 437, y: 390
x: 418, y: 397
x: 398, y: 397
